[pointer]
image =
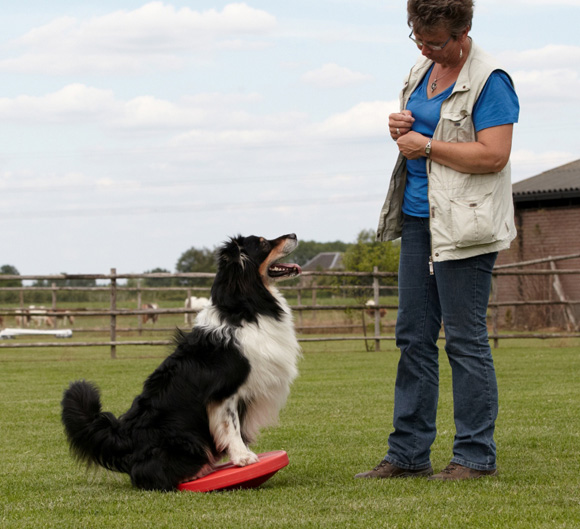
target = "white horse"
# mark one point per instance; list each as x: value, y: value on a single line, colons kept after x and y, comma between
x: 196, y: 304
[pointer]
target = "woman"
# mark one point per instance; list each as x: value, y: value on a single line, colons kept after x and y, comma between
x: 450, y: 201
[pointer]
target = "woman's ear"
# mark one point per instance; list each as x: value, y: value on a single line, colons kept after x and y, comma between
x: 464, y: 35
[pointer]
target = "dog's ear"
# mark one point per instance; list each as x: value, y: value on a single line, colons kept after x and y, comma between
x: 231, y: 251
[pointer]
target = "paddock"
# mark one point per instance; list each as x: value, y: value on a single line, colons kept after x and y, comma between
x: 328, y: 306
x: 335, y: 424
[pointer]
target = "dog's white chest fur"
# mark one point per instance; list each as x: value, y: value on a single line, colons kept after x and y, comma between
x: 271, y: 348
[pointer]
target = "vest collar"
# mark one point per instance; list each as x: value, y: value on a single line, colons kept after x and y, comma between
x: 462, y: 84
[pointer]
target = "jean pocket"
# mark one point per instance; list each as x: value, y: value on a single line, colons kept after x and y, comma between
x: 473, y: 221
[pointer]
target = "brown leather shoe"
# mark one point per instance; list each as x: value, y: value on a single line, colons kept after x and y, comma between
x: 387, y: 470
x: 455, y: 472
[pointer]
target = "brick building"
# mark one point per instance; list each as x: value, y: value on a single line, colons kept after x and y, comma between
x: 547, y: 212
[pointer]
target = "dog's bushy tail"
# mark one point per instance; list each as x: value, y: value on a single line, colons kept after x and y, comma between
x: 93, y: 435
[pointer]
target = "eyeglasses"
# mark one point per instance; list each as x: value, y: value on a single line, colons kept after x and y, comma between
x: 430, y: 46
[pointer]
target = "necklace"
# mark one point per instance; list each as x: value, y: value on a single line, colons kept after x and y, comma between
x: 434, y: 83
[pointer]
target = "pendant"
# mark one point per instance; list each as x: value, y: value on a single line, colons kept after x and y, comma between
x: 433, y: 86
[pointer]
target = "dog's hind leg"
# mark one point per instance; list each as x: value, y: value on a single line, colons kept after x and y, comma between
x: 150, y: 475
x: 224, y: 424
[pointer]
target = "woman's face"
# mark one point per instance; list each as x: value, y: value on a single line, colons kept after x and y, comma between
x: 440, y: 38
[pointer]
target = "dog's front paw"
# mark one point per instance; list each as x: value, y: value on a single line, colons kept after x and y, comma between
x: 245, y: 459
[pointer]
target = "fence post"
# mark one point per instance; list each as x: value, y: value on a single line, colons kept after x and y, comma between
x: 376, y: 294
x: 299, y: 302
x: 569, y: 317
x: 53, y: 318
x: 139, y: 303
x: 314, y: 318
x: 113, y: 316
x: 188, y: 316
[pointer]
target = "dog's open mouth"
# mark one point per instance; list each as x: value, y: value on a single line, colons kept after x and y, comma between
x: 283, y: 271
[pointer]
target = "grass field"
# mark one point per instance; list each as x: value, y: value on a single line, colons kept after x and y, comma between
x: 335, y: 425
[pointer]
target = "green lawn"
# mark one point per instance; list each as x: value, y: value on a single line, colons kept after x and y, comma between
x: 335, y: 425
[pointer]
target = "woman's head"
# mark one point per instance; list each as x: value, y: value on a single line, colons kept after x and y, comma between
x: 428, y: 16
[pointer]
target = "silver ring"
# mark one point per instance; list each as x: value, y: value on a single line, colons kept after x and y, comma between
x: 398, y: 132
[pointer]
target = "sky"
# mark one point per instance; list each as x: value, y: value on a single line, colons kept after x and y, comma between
x: 132, y: 131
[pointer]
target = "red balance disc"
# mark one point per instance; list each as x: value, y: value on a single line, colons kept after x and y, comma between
x: 228, y: 476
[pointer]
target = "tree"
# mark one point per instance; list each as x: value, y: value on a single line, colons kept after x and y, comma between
x: 65, y: 282
x: 368, y: 253
x: 9, y: 270
x: 365, y: 255
x: 160, y: 281
x: 196, y: 260
x: 75, y: 282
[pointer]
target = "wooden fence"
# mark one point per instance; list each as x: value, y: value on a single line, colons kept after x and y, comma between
x: 113, y: 312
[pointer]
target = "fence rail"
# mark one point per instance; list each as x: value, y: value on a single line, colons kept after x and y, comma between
x: 113, y: 312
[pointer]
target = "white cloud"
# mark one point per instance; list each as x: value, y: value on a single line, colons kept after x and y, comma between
x: 155, y: 35
x: 214, y: 116
x: 332, y: 75
x: 547, y: 75
x: 551, y: 87
x: 363, y: 120
x: 72, y: 103
x: 201, y: 120
x: 529, y: 3
x: 551, y: 56
x: 527, y: 163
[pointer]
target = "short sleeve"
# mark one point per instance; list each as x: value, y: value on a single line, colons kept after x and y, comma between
x: 497, y: 104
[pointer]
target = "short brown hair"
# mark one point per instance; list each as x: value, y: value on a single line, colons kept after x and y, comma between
x: 428, y: 15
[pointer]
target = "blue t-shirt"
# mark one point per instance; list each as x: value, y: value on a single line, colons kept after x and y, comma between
x: 496, y: 105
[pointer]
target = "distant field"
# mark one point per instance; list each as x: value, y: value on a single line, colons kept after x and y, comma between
x: 97, y: 328
x: 335, y: 425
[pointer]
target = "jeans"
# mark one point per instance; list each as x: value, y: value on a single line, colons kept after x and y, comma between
x: 457, y: 294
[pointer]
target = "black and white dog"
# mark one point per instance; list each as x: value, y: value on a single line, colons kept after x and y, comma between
x: 226, y: 379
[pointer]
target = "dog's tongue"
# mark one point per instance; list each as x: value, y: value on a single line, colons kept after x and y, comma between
x: 284, y: 270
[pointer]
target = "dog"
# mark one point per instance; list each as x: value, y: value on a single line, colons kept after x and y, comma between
x: 226, y: 379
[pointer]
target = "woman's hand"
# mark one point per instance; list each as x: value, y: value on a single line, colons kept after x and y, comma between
x: 412, y: 145
x: 400, y: 123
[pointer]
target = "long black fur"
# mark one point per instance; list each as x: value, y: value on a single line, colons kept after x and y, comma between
x: 164, y: 438
x: 235, y: 291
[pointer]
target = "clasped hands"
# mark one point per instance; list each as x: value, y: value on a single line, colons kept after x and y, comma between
x: 411, y: 144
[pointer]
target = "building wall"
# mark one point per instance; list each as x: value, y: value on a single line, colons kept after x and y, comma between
x: 541, y: 233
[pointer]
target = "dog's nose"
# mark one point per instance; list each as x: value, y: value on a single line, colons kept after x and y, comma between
x: 291, y: 236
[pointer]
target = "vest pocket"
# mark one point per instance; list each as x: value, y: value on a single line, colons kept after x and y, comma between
x: 472, y: 221
x: 457, y: 127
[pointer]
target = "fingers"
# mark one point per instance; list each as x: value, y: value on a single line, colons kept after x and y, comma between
x: 412, y: 145
x: 400, y: 123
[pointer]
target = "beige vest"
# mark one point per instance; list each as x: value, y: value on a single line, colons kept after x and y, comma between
x: 470, y: 214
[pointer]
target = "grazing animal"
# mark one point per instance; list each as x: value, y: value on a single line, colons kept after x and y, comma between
x: 197, y: 304
x: 22, y: 318
x: 149, y: 317
x: 226, y: 379
x: 63, y: 316
x: 371, y: 310
x: 39, y: 316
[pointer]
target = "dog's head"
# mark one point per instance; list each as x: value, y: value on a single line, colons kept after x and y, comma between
x: 254, y: 254
x: 247, y: 268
